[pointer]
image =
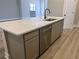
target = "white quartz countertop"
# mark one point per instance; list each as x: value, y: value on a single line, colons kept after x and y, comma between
x: 22, y: 26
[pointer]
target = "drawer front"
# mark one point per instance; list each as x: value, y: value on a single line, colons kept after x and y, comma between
x: 31, y: 35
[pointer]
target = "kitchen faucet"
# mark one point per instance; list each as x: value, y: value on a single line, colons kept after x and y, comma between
x: 45, y: 12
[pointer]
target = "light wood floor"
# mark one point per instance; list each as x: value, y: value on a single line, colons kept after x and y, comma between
x: 66, y: 47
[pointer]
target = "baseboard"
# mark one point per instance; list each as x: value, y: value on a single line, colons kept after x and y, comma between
x: 68, y: 27
x: 76, y: 25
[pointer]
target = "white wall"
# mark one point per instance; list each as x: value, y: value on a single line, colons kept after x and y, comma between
x: 9, y: 9
x: 25, y: 8
x: 56, y: 7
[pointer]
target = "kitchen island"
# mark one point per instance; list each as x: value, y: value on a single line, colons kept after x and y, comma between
x: 29, y: 39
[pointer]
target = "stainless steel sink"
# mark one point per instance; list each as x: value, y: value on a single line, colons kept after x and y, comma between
x: 50, y: 19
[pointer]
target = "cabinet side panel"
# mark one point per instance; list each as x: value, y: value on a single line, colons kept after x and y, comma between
x: 15, y: 46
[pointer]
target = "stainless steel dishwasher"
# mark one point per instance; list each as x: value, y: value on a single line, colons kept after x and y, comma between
x: 45, y: 38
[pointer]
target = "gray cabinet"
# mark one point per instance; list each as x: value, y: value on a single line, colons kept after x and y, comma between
x: 15, y: 46
x: 24, y: 46
x: 32, y: 48
x: 32, y: 44
x: 57, y: 29
x: 45, y: 38
x: 61, y: 26
x: 53, y: 33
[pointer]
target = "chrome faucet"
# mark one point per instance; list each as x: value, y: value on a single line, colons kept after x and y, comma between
x: 45, y: 12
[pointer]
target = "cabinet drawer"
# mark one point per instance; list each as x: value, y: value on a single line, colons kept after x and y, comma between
x: 31, y: 35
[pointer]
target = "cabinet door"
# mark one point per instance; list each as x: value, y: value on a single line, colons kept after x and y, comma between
x: 61, y: 26
x: 53, y: 33
x: 32, y: 48
x: 56, y: 30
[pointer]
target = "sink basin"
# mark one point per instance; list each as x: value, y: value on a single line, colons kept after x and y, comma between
x: 50, y: 19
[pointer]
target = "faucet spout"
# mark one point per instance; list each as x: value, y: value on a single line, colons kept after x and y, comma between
x: 45, y: 12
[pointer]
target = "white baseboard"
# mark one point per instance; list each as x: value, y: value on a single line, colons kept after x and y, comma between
x: 76, y: 25
x: 71, y: 27
x: 68, y: 27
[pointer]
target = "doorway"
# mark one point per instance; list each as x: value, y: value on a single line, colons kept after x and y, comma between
x: 69, y: 13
